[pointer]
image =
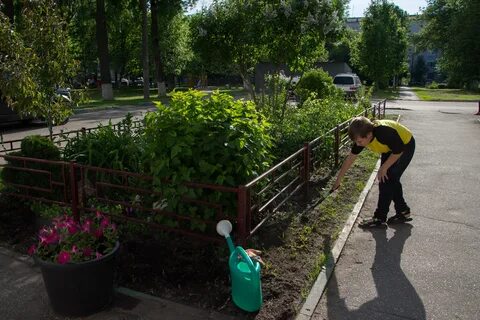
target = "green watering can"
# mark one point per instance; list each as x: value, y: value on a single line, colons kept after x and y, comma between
x: 245, y: 273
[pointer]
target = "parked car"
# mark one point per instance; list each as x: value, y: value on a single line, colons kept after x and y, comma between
x: 8, y: 115
x: 348, y: 82
x: 138, y: 82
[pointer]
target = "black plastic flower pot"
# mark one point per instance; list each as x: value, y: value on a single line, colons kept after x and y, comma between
x: 80, y: 289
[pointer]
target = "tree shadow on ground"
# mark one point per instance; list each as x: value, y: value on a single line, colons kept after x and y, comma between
x: 396, y: 297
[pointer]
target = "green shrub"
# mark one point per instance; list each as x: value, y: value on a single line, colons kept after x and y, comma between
x: 432, y: 85
x: 316, y: 82
x: 39, y: 147
x: 108, y: 147
x: 272, y: 99
x: 313, y: 119
x: 363, y: 97
x: 203, y: 139
x: 213, y: 140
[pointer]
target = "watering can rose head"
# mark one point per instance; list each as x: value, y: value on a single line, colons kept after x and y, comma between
x: 67, y: 240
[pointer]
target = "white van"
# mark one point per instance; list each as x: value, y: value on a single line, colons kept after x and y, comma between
x: 348, y: 82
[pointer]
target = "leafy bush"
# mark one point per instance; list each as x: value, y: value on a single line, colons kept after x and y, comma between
x: 39, y: 147
x: 204, y: 139
x: 432, y: 85
x: 313, y: 119
x: 107, y: 147
x: 212, y: 140
x: 272, y: 100
x: 363, y: 96
x: 317, y: 82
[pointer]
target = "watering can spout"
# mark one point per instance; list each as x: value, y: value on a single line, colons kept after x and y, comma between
x: 224, y: 228
x: 230, y: 244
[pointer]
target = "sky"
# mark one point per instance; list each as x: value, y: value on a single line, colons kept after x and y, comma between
x: 357, y: 7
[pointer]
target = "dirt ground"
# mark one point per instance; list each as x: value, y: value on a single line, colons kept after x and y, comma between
x: 295, y: 243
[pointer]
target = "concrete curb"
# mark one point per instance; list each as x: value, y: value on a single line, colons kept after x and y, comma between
x: 320, y: 284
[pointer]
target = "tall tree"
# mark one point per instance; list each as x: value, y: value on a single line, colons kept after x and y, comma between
x: 103, y: 54
x: 242, y: 33
x: 382, y: 48
x: 452, y: 26
x: 146, y: 73
x: 35, y: 60
x: 159, y: 70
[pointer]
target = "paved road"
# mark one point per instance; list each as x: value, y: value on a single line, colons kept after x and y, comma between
x: 427, y: 269
x: 87, y: 120
x: 407, y: 94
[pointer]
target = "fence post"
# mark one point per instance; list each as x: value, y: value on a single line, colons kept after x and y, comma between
x: 306, y: 167
x: 384, y: 107
x: 478, y: 113
x: 243, y: 207
x: 74, y: 191
x: 337, y: 144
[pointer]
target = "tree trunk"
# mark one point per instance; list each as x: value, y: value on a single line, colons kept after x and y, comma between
x: 159, y: 74
x: 146, y: 73
x: 8, y: 10
x: 247, y: 84
x: 103, y: 56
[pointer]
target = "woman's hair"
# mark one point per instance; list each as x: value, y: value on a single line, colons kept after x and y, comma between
x: 360, y: 127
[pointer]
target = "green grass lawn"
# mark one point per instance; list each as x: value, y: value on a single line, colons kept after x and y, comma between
x: 445, y: 94
x: 134, y: 96
x: 389, y: 93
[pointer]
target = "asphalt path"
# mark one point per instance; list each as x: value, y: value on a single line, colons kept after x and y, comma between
x: 427, y: 269
x: 83, y: 120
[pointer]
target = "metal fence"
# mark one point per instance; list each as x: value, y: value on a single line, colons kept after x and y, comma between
x: 62, y: 136
x: 135, y: 198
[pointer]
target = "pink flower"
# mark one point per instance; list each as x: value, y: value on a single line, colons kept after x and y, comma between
x: 71, y: 241
x: 43, y: 240
x: 72, y: 228
x: 52, y: 238
x: 63, y: 257
x: 87, y: 252
x: 99, y: 215
x: 32, y: 250
x: 87, y: 225
x: 98, y: 233
x: 104, y: 223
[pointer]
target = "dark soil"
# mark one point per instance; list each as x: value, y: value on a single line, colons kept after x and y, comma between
x: 295, y: 243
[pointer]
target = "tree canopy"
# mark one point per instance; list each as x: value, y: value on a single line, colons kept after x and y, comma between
x: 381, y: 50
x: 453, y: 27
x: 35, y: 60
x: 244, y: 32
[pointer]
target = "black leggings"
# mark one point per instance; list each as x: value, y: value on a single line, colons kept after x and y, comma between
x: 391, y: 189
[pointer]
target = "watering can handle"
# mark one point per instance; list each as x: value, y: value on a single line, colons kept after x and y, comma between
x: 246, y: 258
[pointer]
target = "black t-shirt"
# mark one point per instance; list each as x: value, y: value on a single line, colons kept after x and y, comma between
x: 387, y: 136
